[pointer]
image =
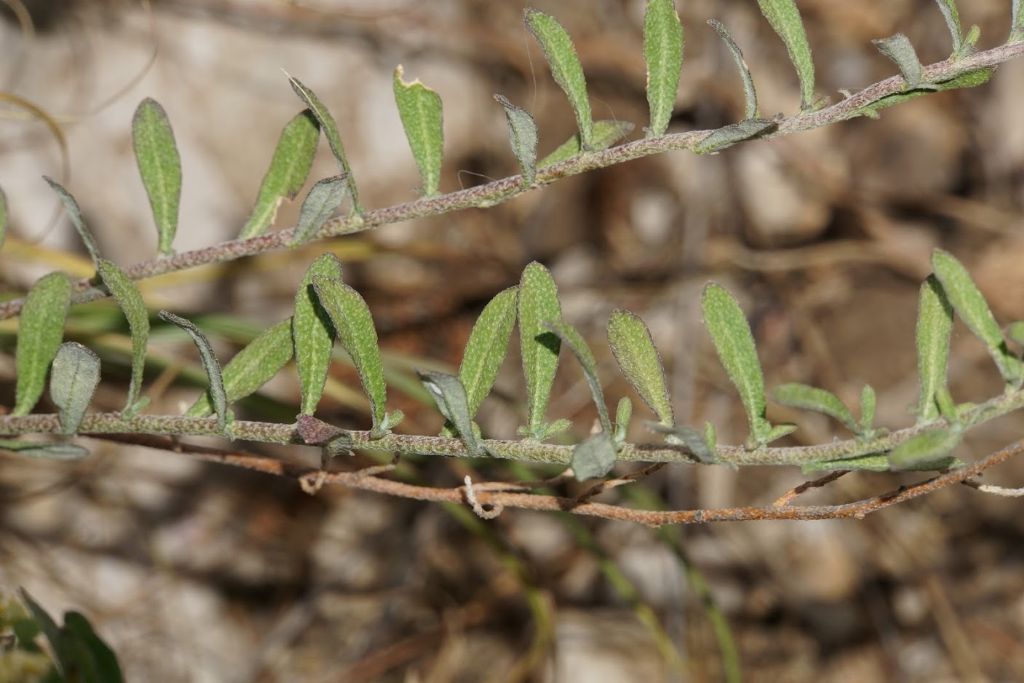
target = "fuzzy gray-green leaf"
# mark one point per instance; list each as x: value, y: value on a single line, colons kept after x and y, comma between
x: 727, y: 136
x: 868, y: 401
x: 40, y: 330
x: 75, y: 214
x: 3, y: 217
x: 450, y: 397
x: 420, y: 109
x: 73, y: 379
x: 565, y: 67
x: 929, y: 450
x: 252, y: 367
x: 538, y: 303
x: 784, y: 17
x: 160, y: 167
x: 354, y: 325
x: 594, y: 457
x: 522, y: 133
x: 486, y: 348
x: 640, y: 362
x: 323, y: 200
x: 606, y: 133
x: 695, y: 442
x: 48, y: 451
x: 749, y: 92
x: 1015, y: 331
x: 952, y: 18
x: 899, y: 49
x: 875, y: 462
x: 734, y: 344
x: 796, y: 395
x: 210, y: 364
x: 134, y: 308
x: 1016, y: 21
x: 572, y: 338
x: 330, y: 131
x: 972, y: 308
x: 289, y: 168
x: 663, y: 53
x: 934, y: 326
x: 313, y: 333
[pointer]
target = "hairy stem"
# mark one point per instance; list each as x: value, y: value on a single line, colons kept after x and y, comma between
x: 502, y: 190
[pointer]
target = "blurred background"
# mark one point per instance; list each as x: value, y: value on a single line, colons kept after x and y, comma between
x: 196, y: 572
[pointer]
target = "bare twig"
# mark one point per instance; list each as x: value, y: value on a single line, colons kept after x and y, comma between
x: 787, y: 497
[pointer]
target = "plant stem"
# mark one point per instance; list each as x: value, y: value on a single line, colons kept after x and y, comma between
x: 502, y: 190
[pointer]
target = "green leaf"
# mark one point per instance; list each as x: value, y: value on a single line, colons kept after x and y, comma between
x: 330, y: 130
x: 875, y: 462
x: 565, y: 67
x: 48, y: 451
x: 134, y: 308
x: 486, y: 347
x: 623, y: 414
x: 898, y: 49
x: 210, y: 364
x: 606, y: 134
x: 749, y: 92
x: 1015, y: 331
x: 312, y: 333
x: 934, y: 326
x: 972, y: 308
x: 727, y: 136
x: 252, y: 367
x: 640, y: 362
x: 970, y: 79
x: 420, y: 110
x: 734, y: 344
x: 450, y: 397
x: 73, y: 379
x: 699, y: 446
x: 3, y: 217
x: 289, y: 168
x: 1016, y: 21
x: 867, y: 410
x: 75, y: 214
x: 40, y: 330
x: 323, y: 200
x: 784, y: 18
x: 952, y: 18
x: 805, y: 397
x: 927, y: 451
x: 572, y: 338
x: 594, y: 457
x: 50, y: 630
x: 354, y: 325
x: 92, y: 657
x: 779, y: 431
x: 522, y: 133
x: 663, y: 53
x: 159, y: 166
x: 538, y: 303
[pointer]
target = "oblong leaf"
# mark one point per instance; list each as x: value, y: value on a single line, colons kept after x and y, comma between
x: 572, y: 338
x: 899, y: 49
x: 565, y: 67
x: 45, y: 451
x: 420, y: 109
x: 252, y: 367
x: 160, y: 167
x: 323, y: 200
x: 210, y: 365
x: 93, y: 656
x: 486, y: 347
x: 934, y: 327
x: 749, y: 92
x: 663, y: 53
x: 354, y: 326
x: 972, y: 308
x: 785, y: 19
x: 40, y: 330
x: 1016, y: 21
x: 734, y: 344
x: 640, y: 362
x: 694, y: 441
x: 606, y: 133
x: 594, y: 457
x: 927, y: 451
x: 867, y: 410
x: 73, y: 379
x: 952, y: 18
x: 875, y: 462
x: 3, y: 217
x: 75, y: 214
x: 522, y: 133
x: 128, y: 298
x: 289, y: 168
x: 313, y: 333
x: 330, y: 130
x: 727, y: 136
x: 796, y: 395
x: 450, y: 397
x: 538, y: 303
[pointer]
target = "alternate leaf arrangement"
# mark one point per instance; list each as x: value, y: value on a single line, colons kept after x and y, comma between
x: 328, y: 311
